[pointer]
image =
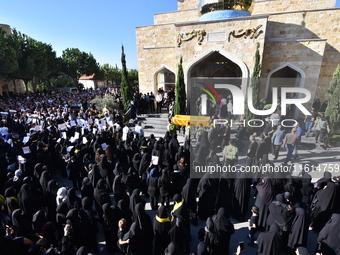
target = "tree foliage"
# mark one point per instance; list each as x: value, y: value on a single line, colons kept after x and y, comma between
x: 255, y: 85
x: 333, y: 96
x: 133, y: 76
x: 36, y: 61
x: 78, y: 63
x: 181, y: 98
x: 9, y: 55
x: 107, y: 72
x: 125, y: 86
x: 36, y: 64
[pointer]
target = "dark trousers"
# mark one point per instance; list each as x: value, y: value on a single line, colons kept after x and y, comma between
x: 290, y: 149
x: 319, y: 135
x: 152, y: 105
x: 159, y: 107
x: 276, y: 150
x: 166, y: 201
x: 154, y: 202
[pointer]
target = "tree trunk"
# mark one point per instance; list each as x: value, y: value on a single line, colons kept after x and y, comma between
x: 14, y: 86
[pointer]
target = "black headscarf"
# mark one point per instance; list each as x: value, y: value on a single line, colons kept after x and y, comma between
x: 222, y: 224
x: 211, y: 236
x: 135, y: 199
x: 266, y: 190
x: 44, y: 179
x: 124, y: 212
x: 162, y: 226
x: 269, y: 242
x: 38, y: 221
x: 29, y: 199
x: 189, y: 194
x: 299, y: 229
x: 101, y: 193
x: 72, y: 200
x: 143, y: 220
x: 330, y: 234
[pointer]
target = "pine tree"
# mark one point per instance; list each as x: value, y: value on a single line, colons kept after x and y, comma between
x: 126, y: 89
x: 333, y: 109
x: 255, y: 85
x: 180, y: 100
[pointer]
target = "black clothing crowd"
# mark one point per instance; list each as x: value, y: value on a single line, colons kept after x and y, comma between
x: 113, y: 179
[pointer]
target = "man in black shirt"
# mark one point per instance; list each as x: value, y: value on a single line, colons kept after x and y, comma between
x: 152, y: 102
x: 251, y: 152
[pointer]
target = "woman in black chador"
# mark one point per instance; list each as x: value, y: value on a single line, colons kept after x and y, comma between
x: 162, y: 226
x: 110, y: 225
x: 145, y: 225
x: 224, y: 229
x: 269, y: 243
x: 242, y: 196
x: 136, y: 199
x: 266, y: 194
x: 323, y: 205
x: 101, y: 196
x: 299, y: 230
x: 181, y: 236
x: 328, y: 238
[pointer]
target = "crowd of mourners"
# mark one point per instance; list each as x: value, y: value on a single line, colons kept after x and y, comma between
x: 115, y: 173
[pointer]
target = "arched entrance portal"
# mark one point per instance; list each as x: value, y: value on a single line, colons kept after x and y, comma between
x: 207, y: 78
x: 286, y: 75
x: 164, y: 79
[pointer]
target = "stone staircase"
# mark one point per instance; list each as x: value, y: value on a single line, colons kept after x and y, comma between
x: 154, y: 124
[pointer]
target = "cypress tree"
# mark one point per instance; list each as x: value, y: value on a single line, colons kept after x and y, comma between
x: 126, y: 89
x: 333, y: 109
x: 181, y: 97
x: 255, y: 85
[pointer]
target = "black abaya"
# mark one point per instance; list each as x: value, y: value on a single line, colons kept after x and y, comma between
x: 110, y: 225
x: 323, y: 205
x: 101, y: 195
x: 329, y: 236
x: 299, y: 229
x: 265, y: 195
x: 269, y: 242
x: 242, y: 196
x: 224, y: 229
x: 162, y: 226
x: 145, y: 224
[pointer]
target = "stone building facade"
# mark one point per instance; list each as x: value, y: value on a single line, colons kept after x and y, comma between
x: 299, y: 42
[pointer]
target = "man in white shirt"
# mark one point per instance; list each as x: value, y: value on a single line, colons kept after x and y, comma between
x: 126, y: 131
x: 117, y: 127
x: 139, y: 129
x: 159, y: 100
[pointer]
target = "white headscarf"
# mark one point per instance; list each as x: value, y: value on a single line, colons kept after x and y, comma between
x: 61, y: 195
